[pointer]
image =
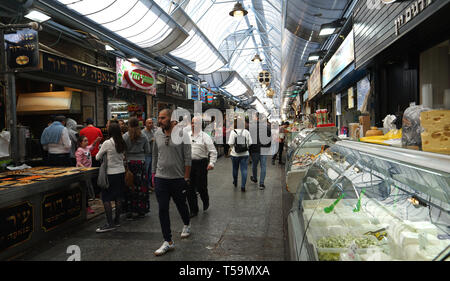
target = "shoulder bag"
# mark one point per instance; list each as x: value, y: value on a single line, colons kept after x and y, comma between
x: 102, y: 180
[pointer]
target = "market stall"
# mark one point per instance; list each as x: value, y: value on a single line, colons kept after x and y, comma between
x: 362, y: 201
x: 39, y: 202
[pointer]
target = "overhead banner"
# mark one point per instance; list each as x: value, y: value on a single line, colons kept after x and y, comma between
x: 22, y: 49
x: 135, y: 77
x: 315, y: 82
x: 176, y: 89
x: 344, y: 56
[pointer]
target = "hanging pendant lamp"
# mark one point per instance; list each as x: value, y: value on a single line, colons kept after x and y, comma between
x: 238, y: 11
x: 257, y: 58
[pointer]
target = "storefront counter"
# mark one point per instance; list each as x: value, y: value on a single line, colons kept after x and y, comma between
x: 39, y: 202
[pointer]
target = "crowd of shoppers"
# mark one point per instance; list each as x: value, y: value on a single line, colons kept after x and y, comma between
x: 173, y: 167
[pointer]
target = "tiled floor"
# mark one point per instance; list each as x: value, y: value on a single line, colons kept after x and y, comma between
x: 237, y: 226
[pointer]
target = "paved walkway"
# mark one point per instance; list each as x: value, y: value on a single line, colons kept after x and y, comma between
x: 237, y: 226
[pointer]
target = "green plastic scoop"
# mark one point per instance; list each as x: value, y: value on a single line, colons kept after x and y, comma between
x: 331, y: 207
x: 358, y: 205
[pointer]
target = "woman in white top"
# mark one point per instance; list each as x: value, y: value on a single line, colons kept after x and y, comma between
x: 240, y: 140
x: 114, y: 148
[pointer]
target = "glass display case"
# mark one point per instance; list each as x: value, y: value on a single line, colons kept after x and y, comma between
x: 308, y: 145
x: 369, y: 202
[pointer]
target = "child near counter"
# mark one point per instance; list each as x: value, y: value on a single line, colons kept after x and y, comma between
x: 84, y: 159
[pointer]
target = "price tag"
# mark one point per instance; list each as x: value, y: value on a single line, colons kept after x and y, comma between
x: 352, y: 252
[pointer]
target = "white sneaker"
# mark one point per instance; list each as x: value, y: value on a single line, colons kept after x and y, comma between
x: 166, y: 246
x: 186, y: 231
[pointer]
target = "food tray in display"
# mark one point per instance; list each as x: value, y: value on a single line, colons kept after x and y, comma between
x: 34, y: 175
x: 341, y: 238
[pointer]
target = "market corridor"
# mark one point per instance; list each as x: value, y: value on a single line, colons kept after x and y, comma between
x: 237, y: 226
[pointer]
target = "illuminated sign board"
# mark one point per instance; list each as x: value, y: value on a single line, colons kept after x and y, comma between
x: 135, y: 77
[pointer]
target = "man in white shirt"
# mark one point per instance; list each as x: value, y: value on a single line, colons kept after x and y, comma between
x: 55, y: 139
x: 202, y: 148
x: 240, y: 141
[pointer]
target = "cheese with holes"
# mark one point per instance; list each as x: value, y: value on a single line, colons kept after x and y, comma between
x: 436, y: 134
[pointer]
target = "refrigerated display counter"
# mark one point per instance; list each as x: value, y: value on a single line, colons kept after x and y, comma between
x: 365, y: 202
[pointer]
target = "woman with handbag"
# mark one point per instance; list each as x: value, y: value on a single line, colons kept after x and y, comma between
x: 113, y: 149
x: 137, y: 196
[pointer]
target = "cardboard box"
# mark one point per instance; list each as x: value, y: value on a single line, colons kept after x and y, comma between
x: 364, y: 121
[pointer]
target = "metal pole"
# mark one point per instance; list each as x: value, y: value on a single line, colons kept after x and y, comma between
x: 11, y: 94
x: 10, y: 83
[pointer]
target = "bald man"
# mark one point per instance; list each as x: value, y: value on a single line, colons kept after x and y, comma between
x: 171, y: 167
x: 149, y: 132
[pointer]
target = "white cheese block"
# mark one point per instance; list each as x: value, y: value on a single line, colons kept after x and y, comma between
x: 409, y: 238
x: 436, y: 134
x: 410, y: 252
x: 423, y: 226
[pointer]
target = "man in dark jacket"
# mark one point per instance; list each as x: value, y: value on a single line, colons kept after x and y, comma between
x: 258, y: 155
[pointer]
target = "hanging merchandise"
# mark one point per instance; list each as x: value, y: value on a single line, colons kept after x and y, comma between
x: 193, y: 92
x: 209, y: 97
x: 203, y: 93
x: 322, y: 118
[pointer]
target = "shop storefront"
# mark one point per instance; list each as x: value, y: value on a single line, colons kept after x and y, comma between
x: 136, y: 87
x: 38, y: 203
x: 408, y: 55
x: 62, y: 86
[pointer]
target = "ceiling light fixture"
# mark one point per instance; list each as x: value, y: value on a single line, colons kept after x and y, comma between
x: 257, y: 58
x: 108, y: 48
x: 330, y: 28
x: 38, y: 16
x: 133, y: 59
x: 175, y: 67
x: 315, y: 56
x: 238, y: 11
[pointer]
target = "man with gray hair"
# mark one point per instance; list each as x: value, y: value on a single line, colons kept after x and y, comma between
x: 171, y: 168
x: 204, y: 156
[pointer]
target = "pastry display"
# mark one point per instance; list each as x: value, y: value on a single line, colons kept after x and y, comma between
x: 30, y: 176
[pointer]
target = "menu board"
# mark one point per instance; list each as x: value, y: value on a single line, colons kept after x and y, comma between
x: 340, y: 60
x: 16, y: 223
x: 314, y: 82
x: 351, y: 98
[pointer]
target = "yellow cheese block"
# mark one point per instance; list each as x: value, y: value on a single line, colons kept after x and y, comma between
x: 436, y: 135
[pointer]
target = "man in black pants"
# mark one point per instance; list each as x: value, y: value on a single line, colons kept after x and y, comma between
x: 171, y: 168
x: 281, y: 143
x: 204, y: 155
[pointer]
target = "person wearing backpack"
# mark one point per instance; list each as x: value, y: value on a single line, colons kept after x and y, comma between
x: 240, y: 141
